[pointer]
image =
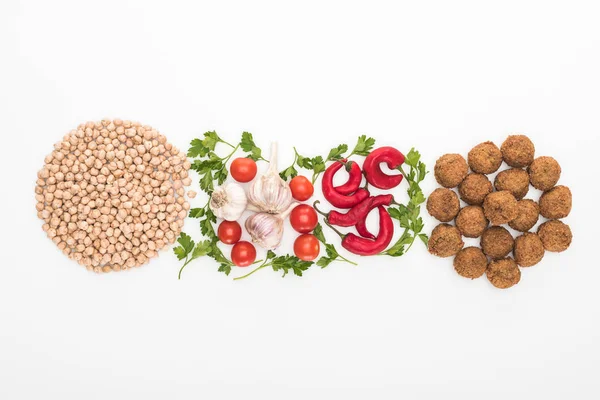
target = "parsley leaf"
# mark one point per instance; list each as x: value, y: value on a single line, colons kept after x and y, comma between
x: 409, y: 215
x: 363, y: 146
x: 247, y: 144
x: 332, y: 253
x: 186, y: 246
x: 288, y: 262
x: 337, y: 152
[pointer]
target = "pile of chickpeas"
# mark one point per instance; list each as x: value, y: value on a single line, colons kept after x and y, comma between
x: 111, y: 194
x: 498, y: 204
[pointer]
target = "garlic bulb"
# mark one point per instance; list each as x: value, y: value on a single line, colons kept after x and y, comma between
x: 270, y: 193
x: 228, y: 201
x: 266, y: 229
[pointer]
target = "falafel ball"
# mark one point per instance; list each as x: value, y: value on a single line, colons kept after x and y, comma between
x: 500, y: 207
x: 503, y: 273
x: 515, y: 180
x: 497, y: 242
x: 556, y: 236
x: 470, y: 262
x: 556, y: 203
x: 443, y: 204
x: 445, y: 241
x: 485, y: 158
x: 474, y: 189
x: 471, y: 221
x: 518, y: 151
x: 450, y: 170
x: 529, y: 249
x: 544, y: 173
x: 528, y: 213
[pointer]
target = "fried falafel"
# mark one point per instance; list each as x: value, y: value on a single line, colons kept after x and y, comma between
x: 529, y: 249
x: 514, y: 180
x: 450, y: 170
x: 556, y: 236
x: 445, y: 241
x: 470, y: 262
x: 503, y: 273
x: 500, y: 207
x: 528, y: 214
x: 497, y: 242
x: 544, y: 173
x: 443, y: 204
x: 485, y: 158
x: 474, y: 188
x: 518, y: 151
x: 471, y: 221
x: 556, y: 203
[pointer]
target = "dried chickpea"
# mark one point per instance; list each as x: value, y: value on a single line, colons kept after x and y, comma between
x: 108, y: 193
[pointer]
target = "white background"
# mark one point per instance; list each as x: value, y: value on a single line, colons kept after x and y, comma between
x: 440, y: 76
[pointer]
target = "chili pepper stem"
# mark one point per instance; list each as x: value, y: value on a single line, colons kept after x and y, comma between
x: 341, y: 235
x: 319, y: 211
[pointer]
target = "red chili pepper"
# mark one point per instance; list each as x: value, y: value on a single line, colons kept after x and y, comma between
x: 357, y: 213
x: 368, y: 247
x: 361, y: 224
x: 375, y: 176
x: 354, y: 179
x: 333, y: 196
x: 361, y: 228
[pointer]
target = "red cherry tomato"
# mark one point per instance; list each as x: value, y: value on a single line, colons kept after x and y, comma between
x: 307, y: 247
x: 303, y: 218
x: 243, y: 254
x: 301, y: 187
x: 229, y: 232
x: 243, y: 169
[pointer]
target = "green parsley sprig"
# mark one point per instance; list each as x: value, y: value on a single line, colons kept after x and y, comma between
x: 332, y: 253
x: 363, y: 146
x: 409, y: 214
x: 284, y: 263
x: 212, y: 168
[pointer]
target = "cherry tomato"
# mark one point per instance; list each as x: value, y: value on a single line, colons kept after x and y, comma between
x: 303, y: 218
x: 243, y: 169
x: 229, y: 232
x: 243, y: 253
x: 307, y: 247
x: 301, y: 187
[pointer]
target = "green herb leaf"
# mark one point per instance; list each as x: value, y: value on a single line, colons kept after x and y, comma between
x: 409, y: 214
x: 289, y: 172
x: 318, y: 165
x: 318, y: 232
x: 288, y: 262
x: 196, y: 212
x: 197, y: 149
x: 210, y: 140
x: 364, y: 145
x: 337, y: 152
x: 186, y: 246
x: 324, y: 262
x: 201, y: 249
x: 247, y: 144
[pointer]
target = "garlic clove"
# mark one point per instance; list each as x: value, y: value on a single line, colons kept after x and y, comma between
x: 269, y: 193
x: 228, y: 201
x: 266, y: 229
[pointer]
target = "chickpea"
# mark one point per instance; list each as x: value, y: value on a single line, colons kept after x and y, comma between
x: 109, y: 194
